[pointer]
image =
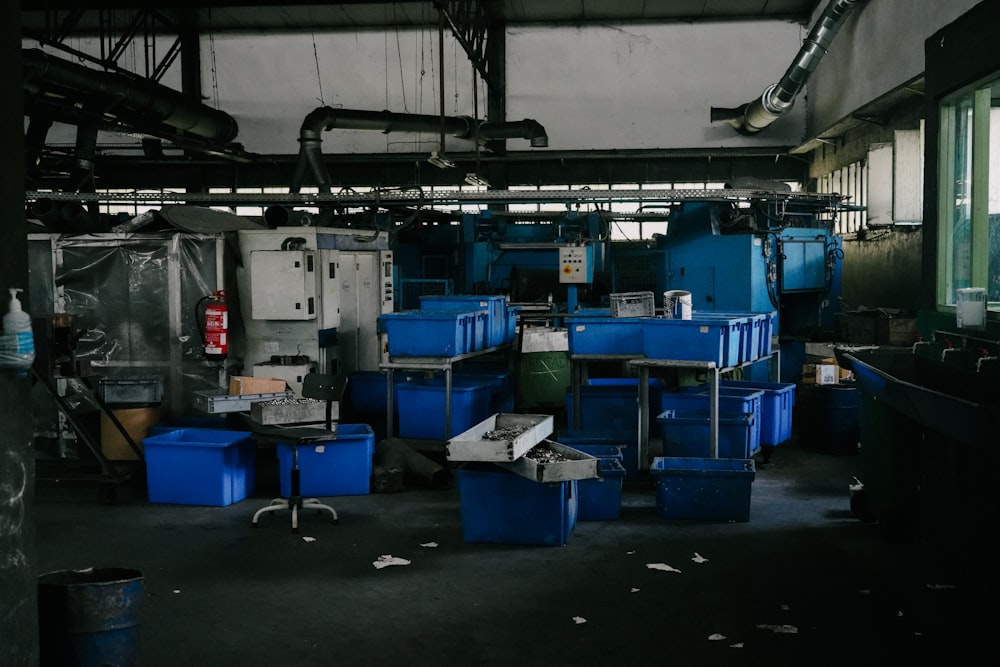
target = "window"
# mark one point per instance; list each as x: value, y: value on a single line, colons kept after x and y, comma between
x: 969, y: 205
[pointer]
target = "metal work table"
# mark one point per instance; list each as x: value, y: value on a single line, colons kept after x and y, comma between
x: 430, y: 364
x: 643, y: 364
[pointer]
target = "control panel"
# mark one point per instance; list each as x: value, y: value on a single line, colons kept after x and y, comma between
x: 576, y: 264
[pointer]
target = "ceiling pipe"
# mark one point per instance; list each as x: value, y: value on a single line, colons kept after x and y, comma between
x: 778, y: 98
x: 323, y: 119
x: 115, y: 92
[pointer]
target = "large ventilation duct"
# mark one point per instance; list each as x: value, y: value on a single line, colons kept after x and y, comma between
x: 118, y: 93
x: 778, y: 98
x: 327, y: 118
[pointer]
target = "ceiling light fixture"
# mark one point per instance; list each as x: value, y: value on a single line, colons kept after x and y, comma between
x: 440, y: 161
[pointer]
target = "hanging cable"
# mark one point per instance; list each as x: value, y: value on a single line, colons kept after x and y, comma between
x: 319, y: 78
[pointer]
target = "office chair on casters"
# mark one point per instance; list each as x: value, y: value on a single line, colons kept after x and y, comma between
x: 324, y: 387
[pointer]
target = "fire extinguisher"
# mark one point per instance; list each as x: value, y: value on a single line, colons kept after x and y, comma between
x: 215, y: 332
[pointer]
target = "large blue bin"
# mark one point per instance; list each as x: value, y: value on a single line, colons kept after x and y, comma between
x: 687, y: 433
x: 430, y: 333
x: 703, y: 489
x: 422, y: 407
x: 500, y: 506
x: 495, y: 307
x: 731, y: 399
x: 605, y: 335
x: 775, y: 408
x: 601, y: 499
x: 200, y: 466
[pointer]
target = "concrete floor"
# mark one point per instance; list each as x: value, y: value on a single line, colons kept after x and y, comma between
x: 803, y: 582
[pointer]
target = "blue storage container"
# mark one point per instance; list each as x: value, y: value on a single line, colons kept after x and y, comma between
x: 591, y: 442
x: 687, y: 433
x: 366, y: 390
x: 500, y: 506
x: 501, y: 388
x: 341, y: 467
x: 775, y: 408
x: 611, y: 405
x: 601, y: 499
x: 495, y: 307
x: 738, y: 348
x: 429, y: 333
x: 731, y: 399
x: 703, y: 488
x: 715, y: 339
x: 196, y: 466
x: 422, y: 407
x: 605, y: 335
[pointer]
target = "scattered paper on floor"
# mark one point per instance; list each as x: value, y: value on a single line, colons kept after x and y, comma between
x: 736, y: 645
x: 306, y: 538
x: 579, y: 619
x: 634, y: 590
x: 429, y: 544
x: 662, y: 566
x: 385, y: 560
x: 716, y: 637
x: 698, y: 558
x: 779, y: 629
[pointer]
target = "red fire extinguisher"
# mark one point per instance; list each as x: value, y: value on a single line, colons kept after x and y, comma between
x: 216, y: 330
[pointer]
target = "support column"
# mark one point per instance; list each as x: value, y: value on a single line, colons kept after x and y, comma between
x: 19, y: 598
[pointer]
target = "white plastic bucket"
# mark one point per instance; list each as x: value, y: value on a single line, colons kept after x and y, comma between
x: 677, y: 304
x: 970, y: 307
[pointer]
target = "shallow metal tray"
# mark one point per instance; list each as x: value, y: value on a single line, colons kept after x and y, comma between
x: 293, y: 411
x: 474, y: 445
x: 571, y: 464
x: 218, y: 401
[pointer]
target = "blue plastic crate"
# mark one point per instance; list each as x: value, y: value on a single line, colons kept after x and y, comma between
x: 495, y: 307
x: 687, y: 433
x: 341, y: 467
x: 501, y: 388
x: 715, y: 339
x: 499, y: 506
x: 422, y: 407
x: 739, y: 341
x: 366, y: 390
x: 611, y: 404
x: 731, y: 399
x: 590, y: 441
x: 703, y: 488
x: 195, y: 466
x: 605, y: 335
x: 775, y: 411
x: 429, y: 333
x: 601, y: 499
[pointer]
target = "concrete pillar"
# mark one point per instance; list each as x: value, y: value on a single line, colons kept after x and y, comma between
x: 18, y: 595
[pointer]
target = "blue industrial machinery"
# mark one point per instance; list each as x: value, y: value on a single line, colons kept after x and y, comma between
x: 520, y: 254
x: 772, y: 254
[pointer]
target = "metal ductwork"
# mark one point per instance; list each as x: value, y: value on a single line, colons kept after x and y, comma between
x: 778, y: 98
x: 115, y: 93
x: 327, y: 118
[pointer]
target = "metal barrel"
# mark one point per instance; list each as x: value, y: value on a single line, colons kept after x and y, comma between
x: 89, y: 617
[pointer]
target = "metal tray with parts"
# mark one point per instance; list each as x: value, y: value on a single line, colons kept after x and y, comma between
x: 218, y: 401
x: 486, y: 441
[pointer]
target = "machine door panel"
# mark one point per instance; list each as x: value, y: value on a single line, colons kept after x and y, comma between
x: 282, y: 285
x: 803, y: 266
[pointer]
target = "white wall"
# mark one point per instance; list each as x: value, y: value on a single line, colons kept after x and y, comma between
x: 595, y: 87
x: 879, y: 48
x: 649, y: 86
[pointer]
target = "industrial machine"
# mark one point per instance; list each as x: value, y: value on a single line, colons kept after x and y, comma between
x: 310, y: 300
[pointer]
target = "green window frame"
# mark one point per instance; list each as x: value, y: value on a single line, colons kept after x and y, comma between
x: 969, y: 189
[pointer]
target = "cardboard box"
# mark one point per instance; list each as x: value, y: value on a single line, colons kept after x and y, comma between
x: 898, y: 331
x: 136, y: 421
x: 826, y: 371
x: 242, y: 384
